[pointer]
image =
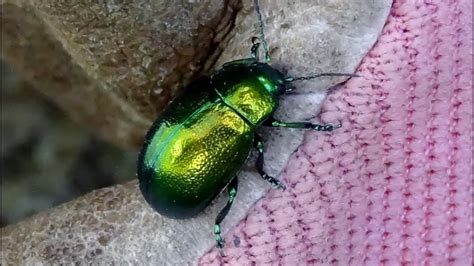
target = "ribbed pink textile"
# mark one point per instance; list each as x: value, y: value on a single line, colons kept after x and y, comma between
x: 394, y: 185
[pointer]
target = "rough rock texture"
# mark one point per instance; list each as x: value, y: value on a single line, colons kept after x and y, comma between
x: 115, y: 224
x: 111, y: 225
x: 113, y: 65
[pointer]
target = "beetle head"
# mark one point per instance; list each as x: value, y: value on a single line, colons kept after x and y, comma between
x: 272, y: 79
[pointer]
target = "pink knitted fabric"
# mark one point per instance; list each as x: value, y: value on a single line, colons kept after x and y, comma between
x: 394, y: 185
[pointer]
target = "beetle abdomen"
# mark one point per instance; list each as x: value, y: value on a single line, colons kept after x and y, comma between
x: 184, y: 166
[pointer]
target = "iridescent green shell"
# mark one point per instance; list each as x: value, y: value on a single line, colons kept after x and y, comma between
x: 204, y: 137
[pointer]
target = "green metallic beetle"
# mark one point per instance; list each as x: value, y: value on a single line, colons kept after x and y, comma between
x: 202, y: 139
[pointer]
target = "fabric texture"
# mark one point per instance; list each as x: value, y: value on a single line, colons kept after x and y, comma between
x: 394, y: 185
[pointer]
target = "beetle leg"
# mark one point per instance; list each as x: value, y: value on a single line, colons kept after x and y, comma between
x: 262, y: 33
x: 272, y: 122
x: 239, y: 62
x: 258, y: 144
x: 291, y: 79
x: 254, y: 50
x: 232, y: 192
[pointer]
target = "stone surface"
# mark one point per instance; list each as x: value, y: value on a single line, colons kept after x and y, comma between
x: 113, y: 65
x: 114, y: 224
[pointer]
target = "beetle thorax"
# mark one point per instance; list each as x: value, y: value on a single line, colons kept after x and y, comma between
x: 252, y: 91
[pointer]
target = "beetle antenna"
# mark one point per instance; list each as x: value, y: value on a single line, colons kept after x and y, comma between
x: 291, y: 79
x: 262, y: 34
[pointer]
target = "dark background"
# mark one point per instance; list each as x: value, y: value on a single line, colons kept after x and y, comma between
x: 46, y: 158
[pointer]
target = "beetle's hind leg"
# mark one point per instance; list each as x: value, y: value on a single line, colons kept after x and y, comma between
x: 258, y: 144
x: 232, y: 192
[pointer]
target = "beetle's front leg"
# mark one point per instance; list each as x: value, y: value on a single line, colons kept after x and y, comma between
x: 254, y: 50
x: 258, y: 144
x: 232, y: 192
x: 272, y: 122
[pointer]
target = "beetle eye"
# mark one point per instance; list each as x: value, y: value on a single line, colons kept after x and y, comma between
x: 281, y: 89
